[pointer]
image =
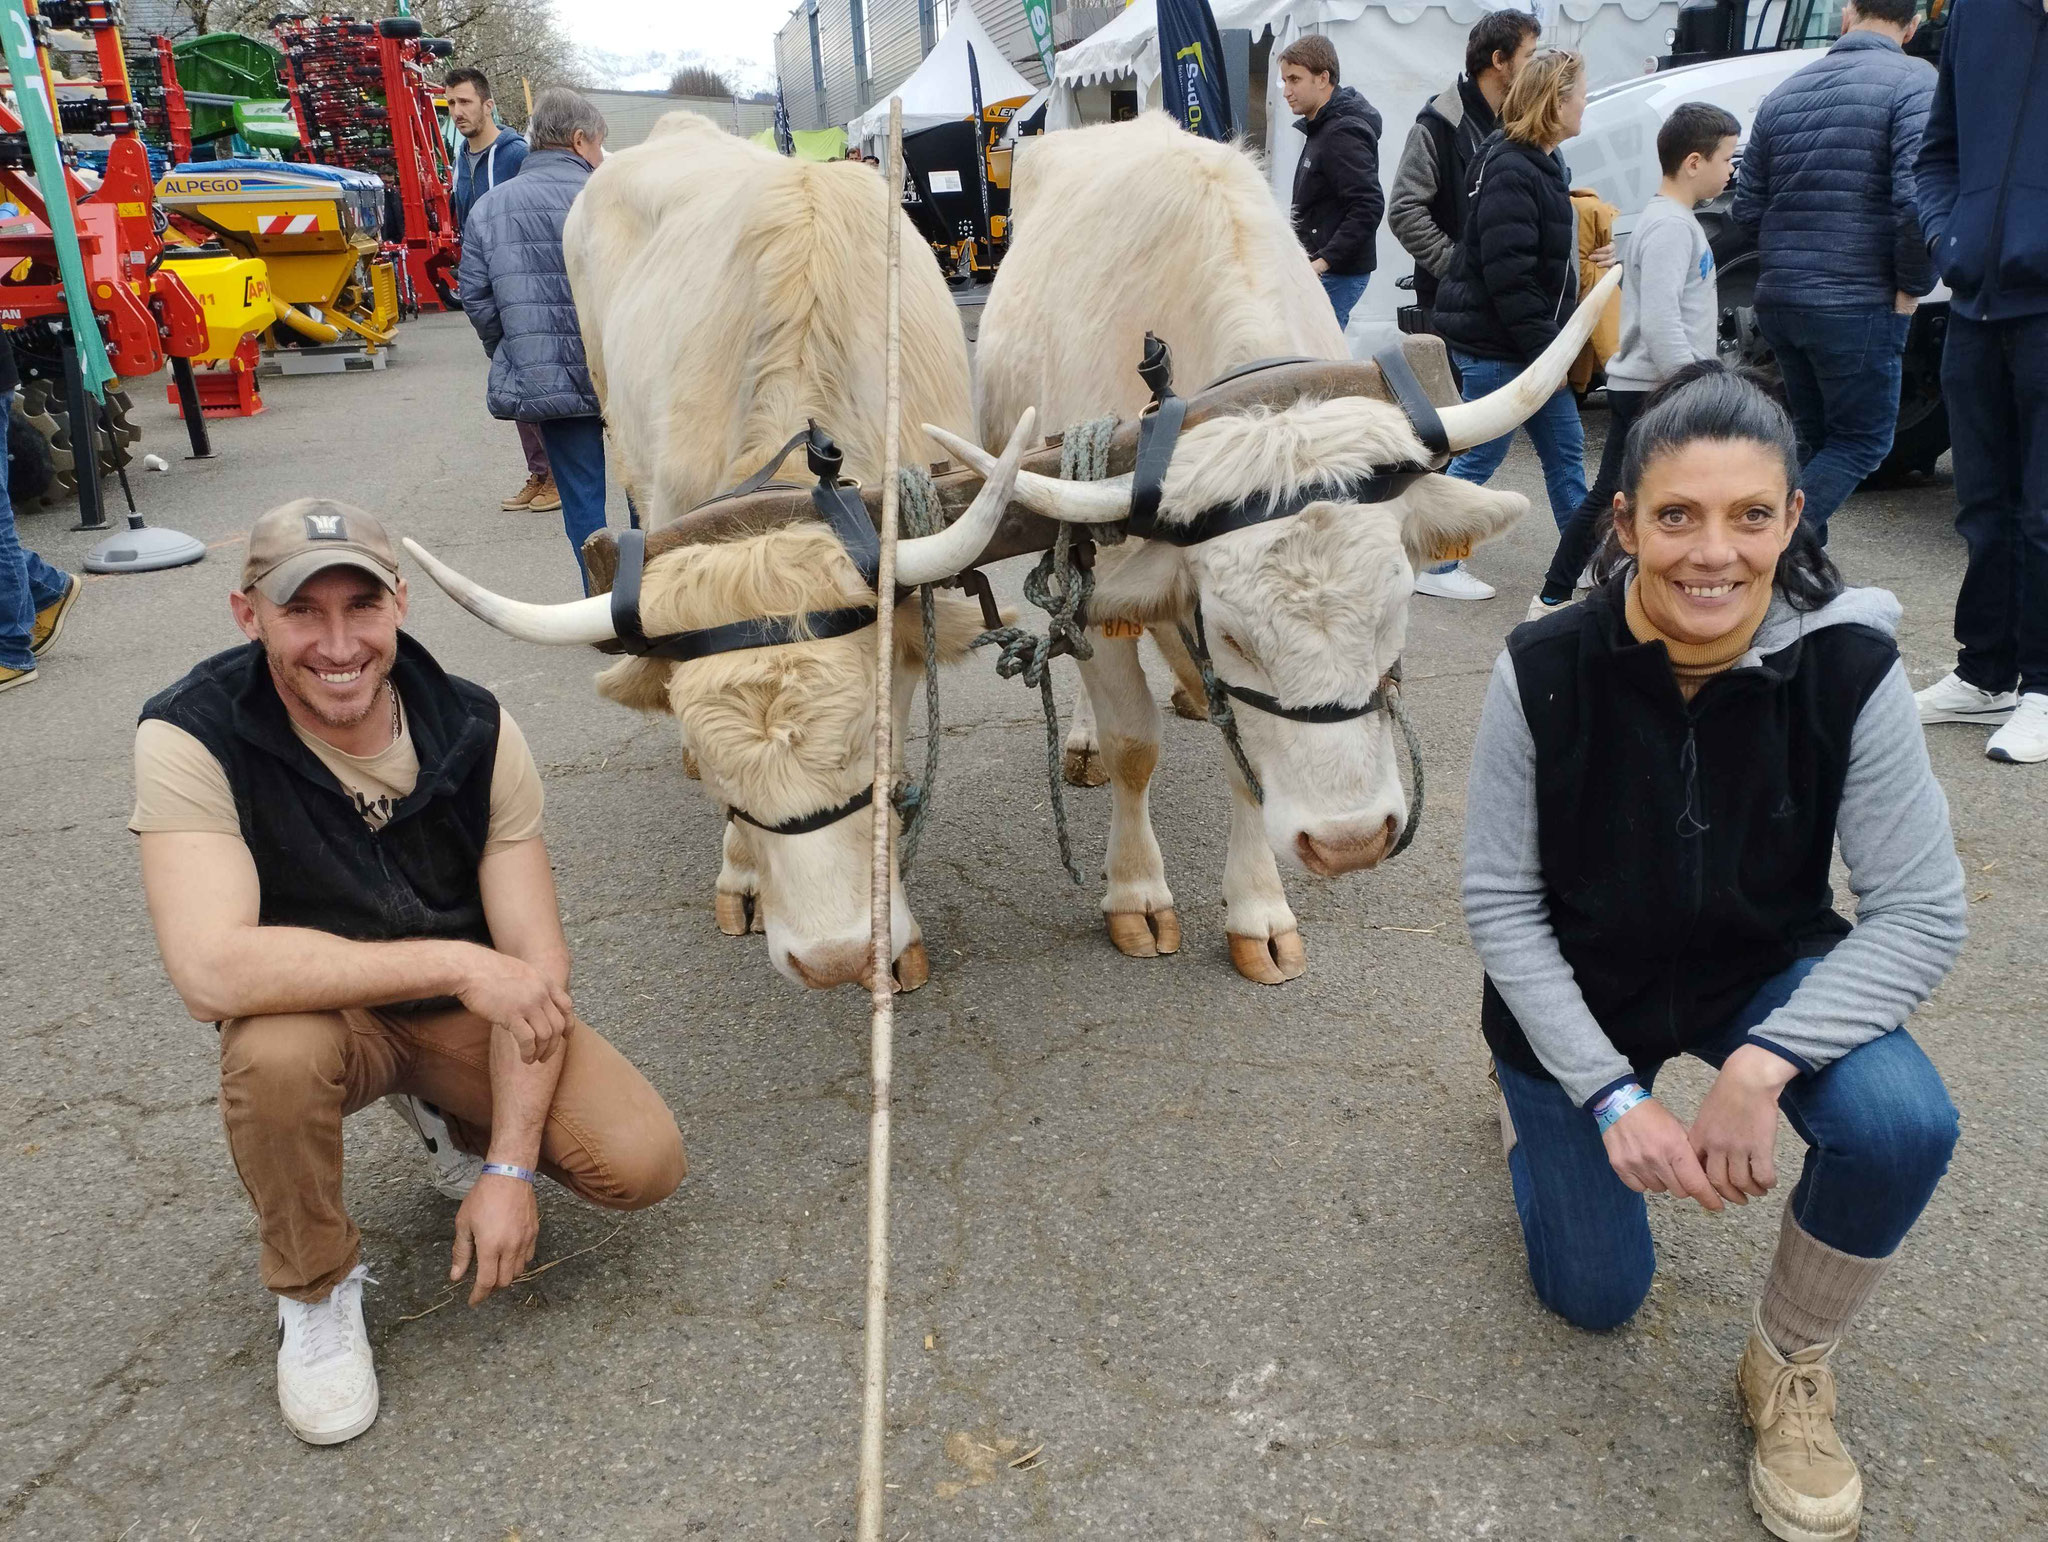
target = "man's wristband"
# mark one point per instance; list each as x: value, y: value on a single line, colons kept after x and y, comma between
x: 1607, y: 1110
x: 508, y: 1170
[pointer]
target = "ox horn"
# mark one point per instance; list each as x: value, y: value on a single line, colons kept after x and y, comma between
x: 1073, y: 503
x: 1503, y: 411
x: 926, y: 559
x: 577, y: 621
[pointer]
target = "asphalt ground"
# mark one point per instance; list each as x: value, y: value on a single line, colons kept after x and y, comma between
x: 1221, y: 1260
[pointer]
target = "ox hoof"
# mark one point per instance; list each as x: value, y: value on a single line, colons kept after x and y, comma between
x: 690, y: 767
x: 1269, y: 960
x: 1138, y: 935
x: 1084, y: 768
x: 912, y: 968
x: 1188, y: 705
x: 737, y: 914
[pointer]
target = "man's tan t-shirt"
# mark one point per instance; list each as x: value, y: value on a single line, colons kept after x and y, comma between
x: 180, y: 786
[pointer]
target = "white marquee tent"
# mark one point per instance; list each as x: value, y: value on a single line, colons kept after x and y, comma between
x: 939, y: 90
x: 1399, y: 55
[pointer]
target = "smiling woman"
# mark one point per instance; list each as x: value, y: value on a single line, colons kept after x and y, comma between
x: 1660, y: 779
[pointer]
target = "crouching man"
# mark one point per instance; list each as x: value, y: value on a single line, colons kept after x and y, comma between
x: 341, y: 849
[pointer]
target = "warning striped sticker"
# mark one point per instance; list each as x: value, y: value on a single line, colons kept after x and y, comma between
x: 286, y: 224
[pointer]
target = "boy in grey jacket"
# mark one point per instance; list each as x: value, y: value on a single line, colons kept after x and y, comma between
x: 1669, y: 314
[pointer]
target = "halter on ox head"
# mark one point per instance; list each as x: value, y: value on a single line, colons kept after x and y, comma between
x: 1293, y: 532
x: 763, y: 649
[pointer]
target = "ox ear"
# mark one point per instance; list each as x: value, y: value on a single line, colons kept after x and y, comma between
x: 641, y: 684
x: 1442, y: 518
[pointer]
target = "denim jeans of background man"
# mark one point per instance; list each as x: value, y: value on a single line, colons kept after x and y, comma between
x: 27, y: 583
x: 1841, y: 370
x: 1345, y: 291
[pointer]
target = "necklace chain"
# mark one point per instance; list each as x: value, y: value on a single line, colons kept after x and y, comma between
x: 394, y: 710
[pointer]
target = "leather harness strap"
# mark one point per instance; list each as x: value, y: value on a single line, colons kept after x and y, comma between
x: 805, y: 824
x: 1422, y: 414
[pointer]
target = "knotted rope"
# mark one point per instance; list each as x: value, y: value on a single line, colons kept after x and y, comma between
x: 1059, y: 585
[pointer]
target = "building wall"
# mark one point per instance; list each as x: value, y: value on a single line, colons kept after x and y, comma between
x: 894, y: 40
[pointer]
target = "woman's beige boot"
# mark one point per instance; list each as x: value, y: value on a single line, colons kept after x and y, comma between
x: 1803, y: 1484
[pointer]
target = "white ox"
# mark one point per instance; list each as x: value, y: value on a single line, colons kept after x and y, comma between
x: 726, y: 295
x: 1135, y: 227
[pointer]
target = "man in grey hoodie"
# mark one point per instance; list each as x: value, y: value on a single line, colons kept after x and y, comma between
x: 1426, y: 209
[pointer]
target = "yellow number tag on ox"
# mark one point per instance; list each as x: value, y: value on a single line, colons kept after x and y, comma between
x: 1453, y: 551
x: 1122, y: 629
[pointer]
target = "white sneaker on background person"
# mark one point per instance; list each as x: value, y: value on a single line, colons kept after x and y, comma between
x: 1540, y: 607
x: 1585, y: 579
x: 1952, y: 699
x: 326, y: 1377
x: 455, y: 1170
x: 2024, y: 739
x: 1457, y: 584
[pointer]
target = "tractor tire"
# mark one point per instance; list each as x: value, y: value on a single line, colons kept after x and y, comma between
x: 31, y: 466
x: 116, y: 450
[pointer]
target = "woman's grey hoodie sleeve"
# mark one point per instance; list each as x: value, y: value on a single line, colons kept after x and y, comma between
x: 1910, y: 915
x: 1506, y: 908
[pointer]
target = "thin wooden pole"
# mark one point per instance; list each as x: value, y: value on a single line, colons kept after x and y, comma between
x: 881, y: 985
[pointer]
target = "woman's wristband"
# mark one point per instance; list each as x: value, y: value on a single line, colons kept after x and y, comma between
x: 1608, y: 1109
x: 508, y: 1170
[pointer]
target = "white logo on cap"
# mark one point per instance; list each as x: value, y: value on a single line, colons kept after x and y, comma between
x: 324, y: 527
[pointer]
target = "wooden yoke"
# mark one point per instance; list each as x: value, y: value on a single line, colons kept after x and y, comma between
x: 1022, y: 532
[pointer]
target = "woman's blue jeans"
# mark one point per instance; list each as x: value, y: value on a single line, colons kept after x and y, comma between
x: 1555, y: 430
x: 1878, y: 1127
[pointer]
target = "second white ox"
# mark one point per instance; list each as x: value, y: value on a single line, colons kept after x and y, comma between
x: 726, y: 295
x: 1135, y: 227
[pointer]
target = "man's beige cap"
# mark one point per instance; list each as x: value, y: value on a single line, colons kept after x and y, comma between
x: 291, y: 543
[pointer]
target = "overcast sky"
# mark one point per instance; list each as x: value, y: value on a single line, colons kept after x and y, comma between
x: 722, y: 31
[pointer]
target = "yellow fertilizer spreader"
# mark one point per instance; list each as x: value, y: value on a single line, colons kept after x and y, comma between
x: 318, y: 231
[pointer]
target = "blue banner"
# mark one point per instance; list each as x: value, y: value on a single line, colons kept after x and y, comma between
x: 785, y: 142
x: 1191, y: 62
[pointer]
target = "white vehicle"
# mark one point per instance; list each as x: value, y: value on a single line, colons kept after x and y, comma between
x: 1735, y: 57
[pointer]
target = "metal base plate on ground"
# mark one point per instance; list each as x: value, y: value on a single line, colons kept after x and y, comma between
x: 143, y: 551
x: 323, y: 359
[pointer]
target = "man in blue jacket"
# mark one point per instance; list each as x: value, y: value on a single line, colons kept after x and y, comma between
x: 1983, y: 185
x: 493, y: 153
x: 1827, y: 183
x: 515, y: 287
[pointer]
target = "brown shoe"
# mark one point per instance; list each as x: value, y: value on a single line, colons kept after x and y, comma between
x: 545, y: 498
x: 50, y: 619
x: 1802, y: 1483
x: 523, y: 499
x: 10, y: 678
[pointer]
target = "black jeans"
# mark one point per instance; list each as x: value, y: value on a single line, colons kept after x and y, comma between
x: 1575, y: 542
x: 1994, y: 377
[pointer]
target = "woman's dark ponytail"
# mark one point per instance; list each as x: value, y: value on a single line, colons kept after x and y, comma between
x: 1708, y: 400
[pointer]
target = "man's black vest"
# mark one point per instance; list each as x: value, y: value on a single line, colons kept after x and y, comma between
x: 1455, y: 149
x: 318, y: 863
x: 1685, y: 846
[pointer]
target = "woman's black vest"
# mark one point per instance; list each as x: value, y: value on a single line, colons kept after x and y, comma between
x: 318, y: 863
x: 1685, y: 846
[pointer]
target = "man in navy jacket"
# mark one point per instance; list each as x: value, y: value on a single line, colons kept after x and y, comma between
x: 1983, y: 191
x: 1827, y: 183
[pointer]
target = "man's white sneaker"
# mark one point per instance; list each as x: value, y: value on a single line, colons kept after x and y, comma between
x: 2024, y: 739
x: 1540, y: 607
x: 1953, y: 699
x: 455, y: 1170
x: 1457, y: 584
x: 1585, y: 578
x: 326, y: 1378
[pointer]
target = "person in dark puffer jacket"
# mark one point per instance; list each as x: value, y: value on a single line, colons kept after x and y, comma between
x: 1337, y: 197
x: 1827, y: 182
x: 515, y: 288
x: 1983, y: 185
x: 1513, y: 283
